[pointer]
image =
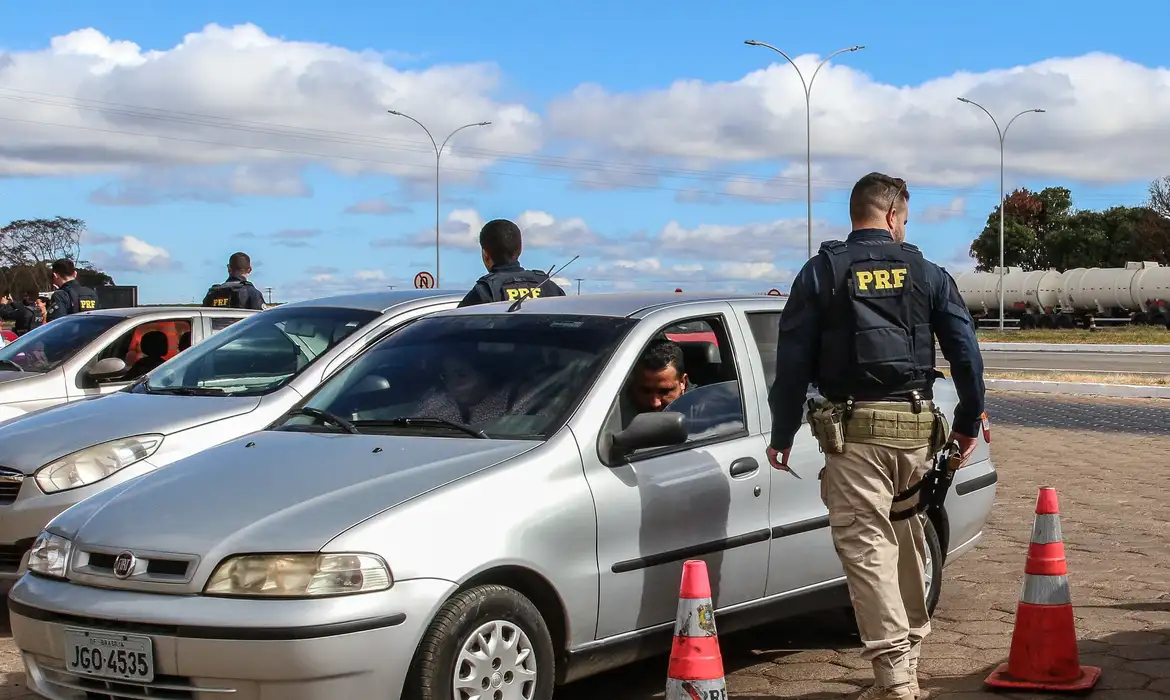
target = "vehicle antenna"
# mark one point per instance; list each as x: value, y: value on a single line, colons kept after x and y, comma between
x: 549, y: 275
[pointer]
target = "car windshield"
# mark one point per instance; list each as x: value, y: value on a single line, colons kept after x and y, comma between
x: 49, y: 346
x: 258, y: 354
x: 497, y: 376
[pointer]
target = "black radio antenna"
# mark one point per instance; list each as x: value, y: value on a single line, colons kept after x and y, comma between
x: 548, y: 278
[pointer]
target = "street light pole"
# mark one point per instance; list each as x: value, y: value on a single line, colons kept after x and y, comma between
x: 438, y: 155
x: 807, y: 116
x: 1002, y: 134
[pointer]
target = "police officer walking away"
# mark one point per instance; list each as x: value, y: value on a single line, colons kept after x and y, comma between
x: 500, y: 244
x: 237, y: 292
x: 70, y: 297
x: 859, y: 323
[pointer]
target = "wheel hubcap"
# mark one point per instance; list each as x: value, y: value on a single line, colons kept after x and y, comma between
x: 496, y: 662
x: 928, y: 567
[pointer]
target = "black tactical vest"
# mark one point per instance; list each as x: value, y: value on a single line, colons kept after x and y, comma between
x: 81, y: 298
x: 232, y: 294
x: 514, y: 284
x: 876, y: 341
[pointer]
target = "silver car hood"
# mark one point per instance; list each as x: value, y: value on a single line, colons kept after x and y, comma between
x: 275, y: 491
x: 33, y: 441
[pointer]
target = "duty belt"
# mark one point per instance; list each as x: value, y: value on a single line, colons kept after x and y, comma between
x: 932, y: 488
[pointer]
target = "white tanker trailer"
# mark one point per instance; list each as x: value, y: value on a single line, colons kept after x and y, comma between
x: 1138, y: 293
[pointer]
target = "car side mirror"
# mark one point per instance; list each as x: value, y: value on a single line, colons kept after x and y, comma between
x: 652, y: 429
x: 108, y: 368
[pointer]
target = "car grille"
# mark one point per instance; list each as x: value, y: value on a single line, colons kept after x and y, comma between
x: 11, y: 554
x: 149, y: 567
x: 162, y: 688
x: 10, y: 483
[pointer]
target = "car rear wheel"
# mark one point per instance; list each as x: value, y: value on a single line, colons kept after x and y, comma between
x: 488, y: 642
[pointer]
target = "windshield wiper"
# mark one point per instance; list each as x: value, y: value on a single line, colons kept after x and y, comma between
x: 10, y: 363
x: 183, y: 390
x: 325, y: 417
x: 422, y: 421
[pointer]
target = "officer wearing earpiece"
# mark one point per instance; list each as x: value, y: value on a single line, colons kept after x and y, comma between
x: 506, y: 280
x: 861, y: 323
x: 237, y: 292
x: 70, y: 296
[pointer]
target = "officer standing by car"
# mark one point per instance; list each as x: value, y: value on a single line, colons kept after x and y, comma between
x: 70, y: 296
x: 236, y: 292
x: 859, y: 324
x: 500, y: 245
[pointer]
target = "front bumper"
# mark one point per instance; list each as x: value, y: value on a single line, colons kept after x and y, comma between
x: 346, y: 647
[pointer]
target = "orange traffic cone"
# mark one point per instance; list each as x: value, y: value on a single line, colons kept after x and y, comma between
x: 1044, y: 641
x: 696, y: 666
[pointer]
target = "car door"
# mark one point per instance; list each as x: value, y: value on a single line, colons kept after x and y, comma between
x: 134, y: 347
x: 706, y: 499
x: 801, y: 552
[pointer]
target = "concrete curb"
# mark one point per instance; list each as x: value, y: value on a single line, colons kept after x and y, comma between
x: 1080, y: 388
x: 1076, y: 347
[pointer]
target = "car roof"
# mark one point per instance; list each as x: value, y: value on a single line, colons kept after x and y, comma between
x: 378, y: 301
x: 135, y: 311
x: 624, y: 304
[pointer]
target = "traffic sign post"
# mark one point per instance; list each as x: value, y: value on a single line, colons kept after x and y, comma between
x: 424, y: 280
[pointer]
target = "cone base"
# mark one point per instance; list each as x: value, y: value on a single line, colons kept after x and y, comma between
x: 1088, y: 678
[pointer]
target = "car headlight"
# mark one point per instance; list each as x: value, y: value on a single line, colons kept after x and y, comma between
x: 49, y: 555
x: 93, y: 464
x: 299, y: 575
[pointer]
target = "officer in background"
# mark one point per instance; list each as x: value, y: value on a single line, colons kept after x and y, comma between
x: 859, y: 324
x: 70, y: 297
x: 500, y: 244
x: 24, y: 314
x: 237, y: 292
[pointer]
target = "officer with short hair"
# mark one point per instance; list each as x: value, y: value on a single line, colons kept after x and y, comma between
x: 24, y: 314
x: 70, y: 297
x: 500, y: 243
x: 236, y: 292
x: 860, y: 323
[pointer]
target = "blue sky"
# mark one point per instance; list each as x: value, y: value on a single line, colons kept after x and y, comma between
x: 644, y: 137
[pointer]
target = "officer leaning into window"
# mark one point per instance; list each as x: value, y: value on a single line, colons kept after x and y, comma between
x: 859, y: 324
x: 237, y: 292
x: 500, y: 244
x: 70, y: 297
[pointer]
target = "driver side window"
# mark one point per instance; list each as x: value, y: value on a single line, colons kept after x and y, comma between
x: 687, y: 368
x: 147, y: 346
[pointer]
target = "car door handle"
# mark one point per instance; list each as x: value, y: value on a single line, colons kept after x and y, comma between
x: 744, y: 466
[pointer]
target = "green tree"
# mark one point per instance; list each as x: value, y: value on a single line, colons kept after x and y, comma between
x: 1030, y: 219
x: 29, y: 246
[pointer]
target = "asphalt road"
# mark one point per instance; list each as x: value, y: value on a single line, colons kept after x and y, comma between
x: 1102, y: 455
x: 1120, y: 362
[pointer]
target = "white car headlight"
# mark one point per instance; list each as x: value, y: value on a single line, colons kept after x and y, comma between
x: 93, y: 464
x: 299, y: 575
x: 49, y: 555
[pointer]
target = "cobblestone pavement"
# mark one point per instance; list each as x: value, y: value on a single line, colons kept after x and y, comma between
x: 1110, y: 474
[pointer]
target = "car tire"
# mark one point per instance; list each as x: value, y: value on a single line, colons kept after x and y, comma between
x: 935, y: 562
x: 504, y: 616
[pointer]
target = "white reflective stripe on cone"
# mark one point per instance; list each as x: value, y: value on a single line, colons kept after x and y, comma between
x: 1046, y: 529
x: 695, y: 618
x: 1045, y: 590
x: 695, y: 690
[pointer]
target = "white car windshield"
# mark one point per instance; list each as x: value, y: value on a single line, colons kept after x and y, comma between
x: 508, y: 377
x: 258, y: 354
x: 49, y: 346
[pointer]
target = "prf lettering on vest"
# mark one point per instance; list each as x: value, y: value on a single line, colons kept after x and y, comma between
x: 880, y: 279
x: 88, y: 305
x: 514, y: 294
x: 219, y: 302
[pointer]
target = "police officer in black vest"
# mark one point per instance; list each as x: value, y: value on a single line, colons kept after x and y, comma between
x: 237, y: 292
x: 70, y: 297
x: 860, y: 324
x: 500, y: 244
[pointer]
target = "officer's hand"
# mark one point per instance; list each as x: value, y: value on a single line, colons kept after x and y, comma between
x: 966, y: 445
x: 778, y: 459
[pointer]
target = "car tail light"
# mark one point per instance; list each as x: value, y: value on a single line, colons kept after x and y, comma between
x: 986, y: 429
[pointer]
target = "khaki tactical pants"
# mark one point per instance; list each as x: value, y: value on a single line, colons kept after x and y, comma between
x: 883, y: 560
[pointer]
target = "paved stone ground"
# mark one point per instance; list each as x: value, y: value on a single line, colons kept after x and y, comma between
x: 1108, y: 460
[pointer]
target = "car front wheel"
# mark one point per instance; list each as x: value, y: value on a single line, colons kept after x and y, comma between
x: 488, y: 642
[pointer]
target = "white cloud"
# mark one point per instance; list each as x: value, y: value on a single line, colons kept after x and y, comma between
x: 920, y: 132
x: 954, y: 209
x: 278, y: 98
x: 127, y: 254
x: 539, y: 229
x: 321, y: 281
x: 376, y: 207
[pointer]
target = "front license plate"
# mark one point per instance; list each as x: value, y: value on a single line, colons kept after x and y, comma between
x: 109, y: 655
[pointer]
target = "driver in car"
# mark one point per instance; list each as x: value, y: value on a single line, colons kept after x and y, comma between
x: 659, y: 376
x: 467, y: 396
